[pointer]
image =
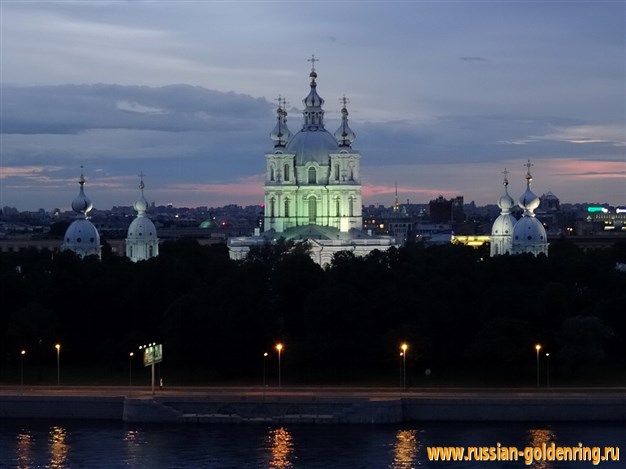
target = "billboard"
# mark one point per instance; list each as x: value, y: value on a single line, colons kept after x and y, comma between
x: 152, y: 354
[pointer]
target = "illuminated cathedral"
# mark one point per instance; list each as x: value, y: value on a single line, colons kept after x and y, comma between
x: 313, y: 186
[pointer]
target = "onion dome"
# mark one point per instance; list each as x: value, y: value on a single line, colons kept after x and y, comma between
x: 505, y: 202
x: 81, y: 204
x: 528, y: 200
x: 313, y: 143
x: 281, y: 134
x: 344, y: 134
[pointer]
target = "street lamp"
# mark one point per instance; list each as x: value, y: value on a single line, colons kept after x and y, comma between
x: 547, y: 370
x: 264, y: 360
x: 22, y: 353
x: 537, y: 348
x: 279, y: 347
x: 130, y: 369
x: 58, y: 347
x: 404, y: 348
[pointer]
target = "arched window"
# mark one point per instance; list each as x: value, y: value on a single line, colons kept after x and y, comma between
x: 312, y: 176
x: 337, y: 207
x: 286, y: 207
x: 150, y: 251
x: 312, y: 210
x: 352, y: 173
x: 272, y: 173
x: 272, y: 207
x: 336, y: 172
x: 351, y: 207
x: 286, y: 172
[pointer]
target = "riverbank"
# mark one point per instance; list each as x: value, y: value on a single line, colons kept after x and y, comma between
x: 313, y: 405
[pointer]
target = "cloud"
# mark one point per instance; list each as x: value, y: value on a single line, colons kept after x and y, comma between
x: 472, y: 59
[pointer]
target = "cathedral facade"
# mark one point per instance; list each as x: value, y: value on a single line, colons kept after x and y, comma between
x: 313, y: 186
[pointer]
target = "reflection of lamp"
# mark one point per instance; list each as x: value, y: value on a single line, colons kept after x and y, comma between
x: 405, y: 449
x: 282, y: 447
x: 58, y: 347
x: 537, y: 348
x: 279, y: 347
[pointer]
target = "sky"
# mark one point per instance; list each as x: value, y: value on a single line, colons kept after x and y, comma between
x: 443, y: 96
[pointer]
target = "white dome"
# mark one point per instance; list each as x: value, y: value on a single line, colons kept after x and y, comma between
x: 142, y: 229
x: 506, y: 202
x: 528, y: 200
x: 528, y: 230
x: 82, y: 237
x: 503, y: 225
x: 313, y: 146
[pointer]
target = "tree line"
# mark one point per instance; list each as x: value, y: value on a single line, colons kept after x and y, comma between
x: 468, y: 318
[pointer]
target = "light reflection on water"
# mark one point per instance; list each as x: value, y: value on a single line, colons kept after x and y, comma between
x: 24, y: 448
x: 537, y: 436
x: 282, y: 448
x: 58, y: 447
x: 92, y: 444
x: 405, y: 450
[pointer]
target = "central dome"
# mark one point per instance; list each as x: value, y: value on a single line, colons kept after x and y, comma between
x: 312, y: 146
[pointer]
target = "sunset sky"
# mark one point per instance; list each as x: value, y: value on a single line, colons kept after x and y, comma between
x: 443, y: 96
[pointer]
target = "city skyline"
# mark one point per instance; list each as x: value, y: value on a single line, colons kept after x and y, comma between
x: 443, y: 96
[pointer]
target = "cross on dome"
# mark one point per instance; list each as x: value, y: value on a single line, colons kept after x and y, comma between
x: 313, y: 60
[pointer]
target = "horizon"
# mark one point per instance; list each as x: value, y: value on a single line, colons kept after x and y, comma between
x: 166, y: 89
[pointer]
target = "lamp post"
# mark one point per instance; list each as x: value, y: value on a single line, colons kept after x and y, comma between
x: 264, y: 360
x: 22, y: 353
x: 404, y: 348
x: 279, y: 348
x: 130, y: 369
x: 537, y: 348
x: 58, y: 347
x: 547, y: 370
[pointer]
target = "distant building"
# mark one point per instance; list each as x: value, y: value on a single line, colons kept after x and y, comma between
x: 141, y: 241
x: 313, y: 187
x: 81, y: 236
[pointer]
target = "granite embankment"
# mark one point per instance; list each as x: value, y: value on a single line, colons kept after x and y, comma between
x: 320, y: 406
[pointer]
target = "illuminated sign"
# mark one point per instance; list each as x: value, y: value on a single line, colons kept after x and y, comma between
x: 152, y: 354
x: 620, y: 210
x: 597, y: 209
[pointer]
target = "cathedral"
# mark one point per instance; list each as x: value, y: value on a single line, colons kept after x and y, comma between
x: 313, y: 187
x: 526, y: 235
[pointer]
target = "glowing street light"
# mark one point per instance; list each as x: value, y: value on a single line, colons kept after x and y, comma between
x: 279, y: 348
x: 537, y: 348
x: 58, y: 347
x: 264, y: 360
x: 404, y: 347
x: 22, y: 353
x: 130, y: 369
x: 547, y: 370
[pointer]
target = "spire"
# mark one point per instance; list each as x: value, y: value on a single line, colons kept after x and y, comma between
x: 81, y: 204
x: 281, y: 133
x: 344, y: 134
x: 313, y: 112
x: 528, y: 200
x: 142, y: 204
x: 396, y: 206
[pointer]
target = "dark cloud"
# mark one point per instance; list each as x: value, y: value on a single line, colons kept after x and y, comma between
x: 69, y: 109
